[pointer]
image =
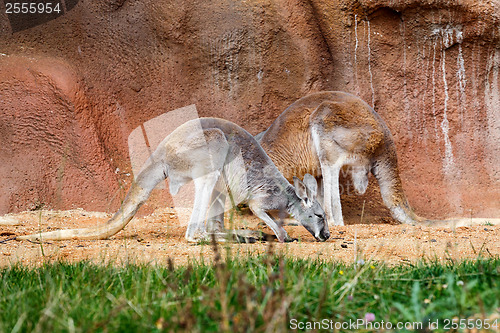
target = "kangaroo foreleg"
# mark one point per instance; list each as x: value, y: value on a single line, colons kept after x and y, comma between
x: 215, y: 223
x: 331, y: 190
x: 320, y: 196
x: 278, y: 230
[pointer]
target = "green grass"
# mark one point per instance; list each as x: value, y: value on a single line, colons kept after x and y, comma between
x: 256, y: 293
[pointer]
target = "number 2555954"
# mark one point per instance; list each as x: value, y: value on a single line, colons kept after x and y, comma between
x: 32, y: 8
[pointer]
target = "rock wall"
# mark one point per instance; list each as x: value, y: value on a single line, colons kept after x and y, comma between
x: 430, y: 68
x: 74, y: 88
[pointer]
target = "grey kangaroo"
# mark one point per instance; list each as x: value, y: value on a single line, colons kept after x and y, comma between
x: 221, y: 158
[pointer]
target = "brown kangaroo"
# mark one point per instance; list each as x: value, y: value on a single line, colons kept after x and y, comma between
x: 322, y: 132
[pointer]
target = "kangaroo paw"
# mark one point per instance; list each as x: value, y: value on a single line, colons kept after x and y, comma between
x: 287, y: 222
x: 248, y: 236
x: 291, y: 240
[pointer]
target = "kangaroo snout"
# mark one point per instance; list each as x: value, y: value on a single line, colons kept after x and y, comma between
x: 323, y: 235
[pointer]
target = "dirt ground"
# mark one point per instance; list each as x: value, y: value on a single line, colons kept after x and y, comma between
x: 159, y: 236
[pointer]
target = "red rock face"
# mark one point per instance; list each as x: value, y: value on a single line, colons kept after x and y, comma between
x: 74, y: 88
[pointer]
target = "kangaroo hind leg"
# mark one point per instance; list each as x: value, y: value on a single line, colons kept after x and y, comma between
x: 204, y: 187
x: 215, y: 218
x: 206, y: 155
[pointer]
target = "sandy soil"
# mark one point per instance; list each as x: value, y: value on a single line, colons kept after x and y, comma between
x: 159, y: 236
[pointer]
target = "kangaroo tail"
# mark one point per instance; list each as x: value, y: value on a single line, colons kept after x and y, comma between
x: 138, y: 194
x: 8, y: 220
x: 385, y: 169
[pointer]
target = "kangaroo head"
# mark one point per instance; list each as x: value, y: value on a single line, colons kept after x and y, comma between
x: 309, y: 212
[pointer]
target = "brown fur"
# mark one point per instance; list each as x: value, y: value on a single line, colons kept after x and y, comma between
x: 347, y: 125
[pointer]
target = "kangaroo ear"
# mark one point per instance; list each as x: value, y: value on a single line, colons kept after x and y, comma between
x: 300, y: 188
x: 312, y: 186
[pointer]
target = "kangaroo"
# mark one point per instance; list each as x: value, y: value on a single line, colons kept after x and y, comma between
x: 322, y: 132
x: 217, y: 155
